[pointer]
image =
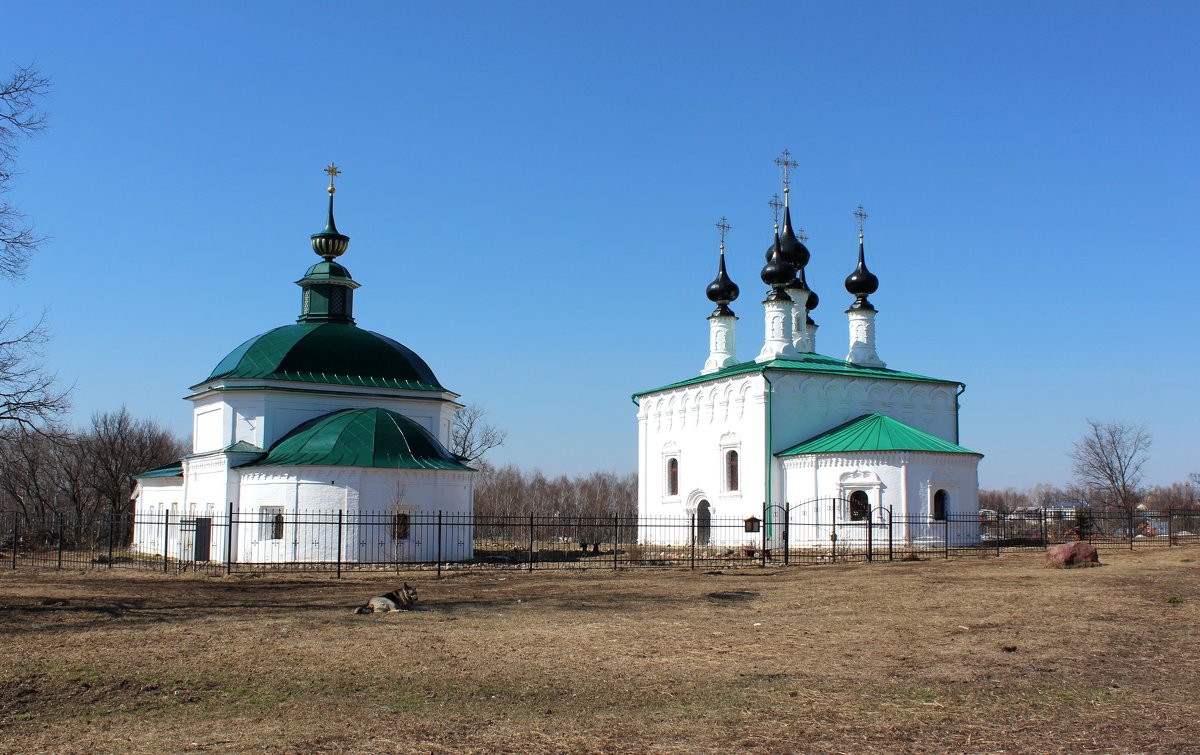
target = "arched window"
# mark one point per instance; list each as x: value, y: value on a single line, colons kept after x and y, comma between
x: 860, y: 506
x: 731, y: 470
x: 940, y: 499
x: 672, y: 476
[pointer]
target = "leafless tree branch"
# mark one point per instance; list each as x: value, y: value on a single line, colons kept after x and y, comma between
x: 19, y: 116
x: 471, y: 437
x: 1108, y: 462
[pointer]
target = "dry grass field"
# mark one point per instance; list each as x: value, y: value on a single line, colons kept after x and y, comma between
x: 987, y: 655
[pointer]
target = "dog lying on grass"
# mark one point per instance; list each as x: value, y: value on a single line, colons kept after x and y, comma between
x: 403, y: 599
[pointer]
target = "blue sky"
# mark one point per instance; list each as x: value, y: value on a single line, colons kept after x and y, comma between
x: 530, y: 189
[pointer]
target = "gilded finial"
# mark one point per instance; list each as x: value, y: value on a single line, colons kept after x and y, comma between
x: 333, y: 172
x: 786, y: 166
x: 723, y: 226
x: 861, y: 217
x: 775, y: 205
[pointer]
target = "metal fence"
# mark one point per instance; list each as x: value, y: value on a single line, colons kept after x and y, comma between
x: 824, y: 531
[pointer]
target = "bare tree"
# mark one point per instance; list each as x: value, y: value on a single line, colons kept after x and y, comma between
x: 471, y: 437
x: 118, y: 447
x: 28, y: 396
x: 27, y: 393
x: 19, y: 116
x: 1108, y: 461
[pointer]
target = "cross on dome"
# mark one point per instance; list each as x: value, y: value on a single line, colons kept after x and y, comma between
x: 786, y: 166
x: 333, y: 171
x: 723, y: 226
x: 862, y: 216
x: 776, y: 206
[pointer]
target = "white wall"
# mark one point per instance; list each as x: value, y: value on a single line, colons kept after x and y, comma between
x: 698, y: 423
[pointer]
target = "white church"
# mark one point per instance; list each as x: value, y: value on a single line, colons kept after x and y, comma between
x: 304, y: 424
x: 828, y: 444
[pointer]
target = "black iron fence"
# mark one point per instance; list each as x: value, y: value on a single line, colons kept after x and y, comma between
x: 824, y: 531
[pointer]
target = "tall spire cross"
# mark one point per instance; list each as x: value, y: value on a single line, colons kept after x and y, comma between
x: 786, y: 165
x: 861, y: 217
x: 333, y: 172
x: 775, y: 207
x: 723, y: 226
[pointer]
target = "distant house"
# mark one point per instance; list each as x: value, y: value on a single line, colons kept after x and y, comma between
x: 305, y: 422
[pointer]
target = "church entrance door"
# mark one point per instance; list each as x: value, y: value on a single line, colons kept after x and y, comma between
x: 703, y: 523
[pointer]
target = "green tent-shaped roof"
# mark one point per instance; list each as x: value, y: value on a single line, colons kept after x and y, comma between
x: 328, y: 352
x: 875, y: 432
x: 361, y: 438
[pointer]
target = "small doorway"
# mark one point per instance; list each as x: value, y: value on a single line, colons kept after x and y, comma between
x: 939, y: 506
x: 703, y: 523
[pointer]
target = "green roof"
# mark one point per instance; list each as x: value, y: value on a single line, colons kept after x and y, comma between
x: 361, y: 438
x: 812, y: 363
x: 875, y: 432
x: 336, y: 353
x: 171, y: 470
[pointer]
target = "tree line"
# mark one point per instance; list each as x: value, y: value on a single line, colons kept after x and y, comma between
x: 510, y: 491
x: 82, y: 475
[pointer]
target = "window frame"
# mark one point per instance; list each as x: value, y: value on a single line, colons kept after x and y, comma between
x: 271, y: 523
x: 733, y: 472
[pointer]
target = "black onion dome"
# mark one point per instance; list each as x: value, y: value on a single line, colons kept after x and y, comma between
x: 813, y: 299
x: 862, y: 282
x: 794, y: 250
x: 722, y: 290
x: 777, y: 272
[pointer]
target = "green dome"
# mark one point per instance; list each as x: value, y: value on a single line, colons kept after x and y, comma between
x: 327, y: 270
x: 334, y: 353
x: 361, y: 438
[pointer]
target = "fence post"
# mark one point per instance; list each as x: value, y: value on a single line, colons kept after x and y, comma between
x: 946, y: 535
x: 763, y: 550
x: 166, y: 537
x: 870, y: 534
x: 439, y: 544
x: 693, y: 538
x: 616, y: 537
x: 1045, y: 535
x: 58, y: 563
x: 339, y: 546
x: 889, y: 533
x: 1131, y: 529
x: 530, y: 569
x: 229, y: 539
x: 16, y: 532
x: 787, y: 528
x: 1170, y: 529
x: 111, y: 516
x: 833, y: 530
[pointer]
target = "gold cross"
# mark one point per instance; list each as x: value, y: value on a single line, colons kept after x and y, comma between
x: 787, y: 165
x: 723, y: 226
x: 775, y: 205
x: 861, y: 217
x: 333, y: 172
